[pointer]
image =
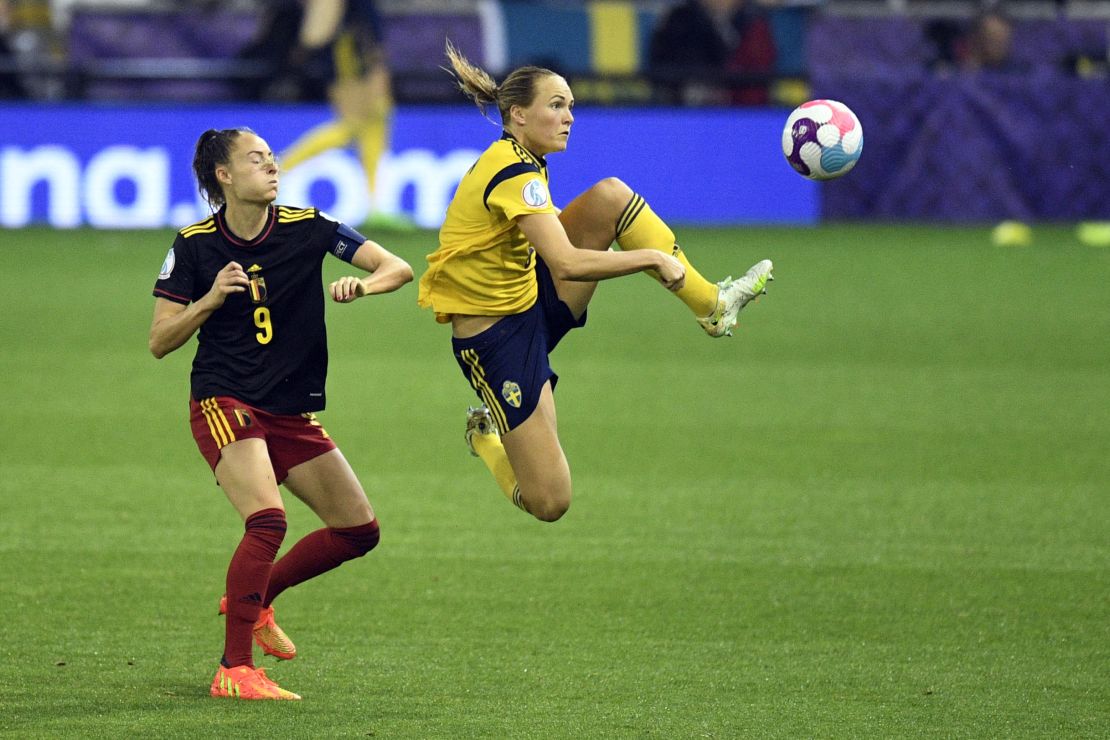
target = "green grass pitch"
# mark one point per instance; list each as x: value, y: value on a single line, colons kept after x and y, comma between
x: 880, y: 511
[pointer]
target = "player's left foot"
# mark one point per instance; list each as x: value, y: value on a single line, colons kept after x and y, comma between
x: 271, y: 638
x: 478, y: 421
x: 733, y: 296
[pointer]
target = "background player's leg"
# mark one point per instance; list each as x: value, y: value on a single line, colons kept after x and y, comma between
x: 372, y: 120
x: 537, y: 458
x: 322, y: 138
x: 373, y: 138
x: 373, y: 128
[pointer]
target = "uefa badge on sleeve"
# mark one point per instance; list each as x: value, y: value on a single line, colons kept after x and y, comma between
x: 167, y: 265
x: 534, y: 193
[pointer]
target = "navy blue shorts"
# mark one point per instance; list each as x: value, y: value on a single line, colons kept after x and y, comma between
x: 507, y: 364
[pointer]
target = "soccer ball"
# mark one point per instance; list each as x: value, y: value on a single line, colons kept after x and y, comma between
x: 822, y: 139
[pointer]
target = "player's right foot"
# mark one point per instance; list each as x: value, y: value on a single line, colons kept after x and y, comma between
x: 244, y: 682
x: 478, y: 421
x: 271, y: 638
x: 734, y: 295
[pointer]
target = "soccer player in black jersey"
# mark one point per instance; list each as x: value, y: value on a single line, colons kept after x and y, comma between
x: 249, y: 279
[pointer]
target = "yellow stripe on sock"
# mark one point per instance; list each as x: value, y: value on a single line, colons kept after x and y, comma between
x: 614, y: 37
x: 630, y: 212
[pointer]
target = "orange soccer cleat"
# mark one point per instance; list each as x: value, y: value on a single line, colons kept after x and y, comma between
x: 271, y: 638
x: 244, y: 682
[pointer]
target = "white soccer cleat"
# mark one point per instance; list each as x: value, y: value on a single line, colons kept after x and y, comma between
x: 734, y: 295
x: 478, y: 421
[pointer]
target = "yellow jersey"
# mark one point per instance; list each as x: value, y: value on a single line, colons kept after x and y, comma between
x: 484, y: 265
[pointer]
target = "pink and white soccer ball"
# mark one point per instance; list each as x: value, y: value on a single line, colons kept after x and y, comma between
x: 822, y: 139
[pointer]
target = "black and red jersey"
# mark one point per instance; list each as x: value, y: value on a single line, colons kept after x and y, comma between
x: 268, y: 345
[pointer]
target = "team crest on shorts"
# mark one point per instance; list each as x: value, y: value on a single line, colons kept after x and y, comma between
x: 510, y: 391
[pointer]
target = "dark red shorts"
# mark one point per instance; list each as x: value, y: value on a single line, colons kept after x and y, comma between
x: 291, y: 440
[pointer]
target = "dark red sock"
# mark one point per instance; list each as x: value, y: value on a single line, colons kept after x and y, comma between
x: 318, y: 552
x: 247, y: 576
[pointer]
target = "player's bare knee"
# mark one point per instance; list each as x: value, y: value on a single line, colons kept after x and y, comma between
x: 550, y: 512
x: 550, y: 508
x: 612, y: 191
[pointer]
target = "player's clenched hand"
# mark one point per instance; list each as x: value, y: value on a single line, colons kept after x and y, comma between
x: 346, y: 289
x: 672, y: 273
x: 231, y: 279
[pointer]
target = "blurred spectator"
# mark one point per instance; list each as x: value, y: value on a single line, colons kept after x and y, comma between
x: 10, y: 84
x: 986, y: 45
x: 276, y: 47
x: 754, y: 52
x: 990, y: 43
x: 698, y: 44
x: 946, y: 36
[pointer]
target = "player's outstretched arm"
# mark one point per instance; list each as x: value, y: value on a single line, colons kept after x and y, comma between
x: 566, y: 262
x: 174, y: 324
x: 388, y: 272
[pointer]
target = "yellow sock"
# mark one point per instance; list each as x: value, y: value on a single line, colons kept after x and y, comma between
x: 492, y: 452
x: 316, y: 141
x: 373, y: 137
x: 639, y: 228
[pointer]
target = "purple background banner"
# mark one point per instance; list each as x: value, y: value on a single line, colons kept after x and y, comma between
x: 1032, y: 143
x: 975, y: 147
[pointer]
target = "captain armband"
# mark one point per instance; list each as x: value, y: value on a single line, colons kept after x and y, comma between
x: 346, y: 242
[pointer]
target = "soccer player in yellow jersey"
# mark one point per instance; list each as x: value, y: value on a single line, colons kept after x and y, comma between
x: 513, y: 274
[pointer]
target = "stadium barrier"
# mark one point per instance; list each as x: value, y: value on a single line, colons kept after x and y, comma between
x: 122, y: 54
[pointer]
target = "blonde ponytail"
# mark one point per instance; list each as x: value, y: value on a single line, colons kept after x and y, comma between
x: 519, y: 88
x: 474, y: 81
